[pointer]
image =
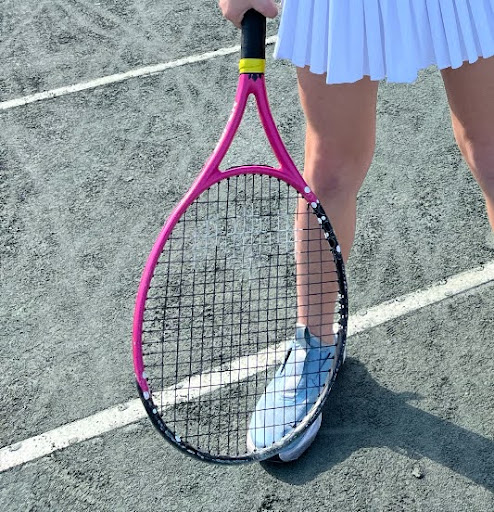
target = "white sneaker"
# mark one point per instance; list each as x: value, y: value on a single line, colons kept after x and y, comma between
x: 291, y: 394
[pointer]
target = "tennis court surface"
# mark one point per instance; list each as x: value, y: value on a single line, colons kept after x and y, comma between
x: 107, y: 112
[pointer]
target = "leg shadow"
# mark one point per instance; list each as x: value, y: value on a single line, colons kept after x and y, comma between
x: 360, y: 413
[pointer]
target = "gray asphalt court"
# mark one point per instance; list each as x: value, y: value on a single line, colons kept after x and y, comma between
x: 88, y: 175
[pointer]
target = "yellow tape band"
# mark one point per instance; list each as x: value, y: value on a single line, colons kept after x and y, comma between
x: 252, y: 66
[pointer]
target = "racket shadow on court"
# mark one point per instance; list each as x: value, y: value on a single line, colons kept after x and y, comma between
x: 360, y: 413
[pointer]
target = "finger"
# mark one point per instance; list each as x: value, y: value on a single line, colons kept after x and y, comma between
x: 266, y: 7
x: 238, y: 17
x: 232, y: 13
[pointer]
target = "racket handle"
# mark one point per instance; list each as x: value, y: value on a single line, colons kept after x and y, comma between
x: 253, y: 35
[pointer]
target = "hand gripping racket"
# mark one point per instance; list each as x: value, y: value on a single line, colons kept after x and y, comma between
x: 246, y: 256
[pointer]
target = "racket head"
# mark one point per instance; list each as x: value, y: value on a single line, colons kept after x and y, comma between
x: 172, y: 371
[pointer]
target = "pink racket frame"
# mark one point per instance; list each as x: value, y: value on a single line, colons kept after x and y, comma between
x: 210, y: 174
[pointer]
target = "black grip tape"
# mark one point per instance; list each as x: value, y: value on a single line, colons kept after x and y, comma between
x: 253, y: 35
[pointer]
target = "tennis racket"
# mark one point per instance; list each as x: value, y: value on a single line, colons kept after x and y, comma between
x: 245, y: 255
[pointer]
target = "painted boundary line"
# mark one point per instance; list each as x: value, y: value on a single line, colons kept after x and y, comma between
x: 122, y: 77
x: 133, y: 411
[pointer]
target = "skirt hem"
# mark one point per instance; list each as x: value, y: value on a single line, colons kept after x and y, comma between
x: 351, y: 80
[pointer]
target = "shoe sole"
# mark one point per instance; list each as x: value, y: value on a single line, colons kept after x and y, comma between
x: 299, y: 446
x: 302, y: 443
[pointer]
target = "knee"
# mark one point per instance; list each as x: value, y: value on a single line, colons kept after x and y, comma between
x: 340, y: 175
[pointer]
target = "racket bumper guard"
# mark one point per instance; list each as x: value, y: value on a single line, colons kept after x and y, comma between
x: 247, y: 66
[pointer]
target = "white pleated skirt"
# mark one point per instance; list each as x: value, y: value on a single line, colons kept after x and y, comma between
x: 392, y: 39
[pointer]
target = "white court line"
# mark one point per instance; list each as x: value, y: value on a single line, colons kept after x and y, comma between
x: 121, y: 77
x: 130, y: 412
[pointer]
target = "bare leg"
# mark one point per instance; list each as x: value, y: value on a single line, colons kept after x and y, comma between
x: 470, y: 91
x: 340, y: 142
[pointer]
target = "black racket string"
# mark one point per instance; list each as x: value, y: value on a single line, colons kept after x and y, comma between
x: 223, y: 295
